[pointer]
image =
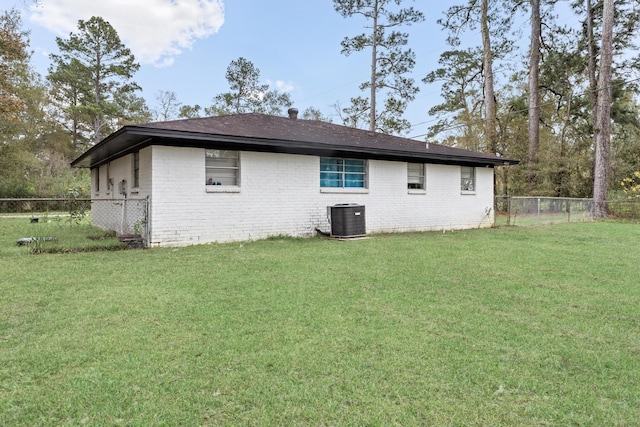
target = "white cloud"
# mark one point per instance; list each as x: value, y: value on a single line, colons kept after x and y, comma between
x: 282, y: 86
x: 155, y: 30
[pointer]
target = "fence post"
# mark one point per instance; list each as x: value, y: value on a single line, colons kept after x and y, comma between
x: 568, y: 210
x: 122, y: 215
x: 148, y: 222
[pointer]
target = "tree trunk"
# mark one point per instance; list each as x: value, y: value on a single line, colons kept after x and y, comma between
x: 96, y: 127
x: 591, y: 71
x: 593, y: 84
x: 534, y: 95
x: 603, y: 118
x: 96, y: 99
x: 489, y: 95
x: 374, y: 58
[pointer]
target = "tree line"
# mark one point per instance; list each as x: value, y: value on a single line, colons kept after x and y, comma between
x: 566, y: 106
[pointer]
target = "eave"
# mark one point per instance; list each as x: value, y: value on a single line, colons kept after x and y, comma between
x: 133, y: 138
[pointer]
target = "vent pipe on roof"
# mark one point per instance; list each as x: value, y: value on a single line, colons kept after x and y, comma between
x: 293, y: 113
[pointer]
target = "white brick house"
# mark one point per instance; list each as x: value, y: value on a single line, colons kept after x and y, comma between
x: 251, y: 176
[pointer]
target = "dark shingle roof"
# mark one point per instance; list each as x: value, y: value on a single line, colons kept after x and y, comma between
x: 259, y: 132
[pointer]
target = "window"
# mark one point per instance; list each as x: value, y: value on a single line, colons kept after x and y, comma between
x: 467, y: 178
x: 136, y: 169
x: 222, y: 167
x: 97, y: 178
x: 415, y: 176
x: 343, y: 173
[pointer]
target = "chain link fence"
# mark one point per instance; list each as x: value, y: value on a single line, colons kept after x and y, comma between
x: 625, y: 210
x: 127, y: 220
x: 549, y: 210
x: 128, y: 217
x: 124, y: 219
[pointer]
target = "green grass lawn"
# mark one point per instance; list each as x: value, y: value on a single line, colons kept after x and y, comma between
x: 511, y: 326
x: 53, y: 234
x: 544, y: 218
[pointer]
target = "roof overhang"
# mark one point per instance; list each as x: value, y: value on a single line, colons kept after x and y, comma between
x: 133, y: 138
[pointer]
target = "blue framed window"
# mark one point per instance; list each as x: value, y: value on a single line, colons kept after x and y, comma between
x: 343, y: 173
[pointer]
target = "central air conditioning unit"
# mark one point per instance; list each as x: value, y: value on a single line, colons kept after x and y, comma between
x: 347, y: 220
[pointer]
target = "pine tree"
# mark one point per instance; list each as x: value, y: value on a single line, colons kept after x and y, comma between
x: 391, y: 61
x: 246, y: 94
x: 95, y: 67
x: 603, y: 115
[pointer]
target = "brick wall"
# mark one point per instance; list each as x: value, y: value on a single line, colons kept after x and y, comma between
x: 280, y: 194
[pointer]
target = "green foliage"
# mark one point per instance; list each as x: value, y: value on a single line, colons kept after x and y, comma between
x: 391, y: 62
x: 190, y: 111
x: 13, y: 56
x: 565, y: 163
x: 35, y: 150
x: 246, y: 94
x: 388, y: 120
x: 76, y: 207
x: 468, y: 17
x: 407, y: 329
x: 92, y: 72
x: 356, y: 115
x: 312, y: 113
x: 460, y: 77
x: 70, y: 87
x: 133, y: 108
x: 631, y: 186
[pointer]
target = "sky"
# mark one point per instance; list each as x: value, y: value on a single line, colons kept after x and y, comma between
x: 185, y: 46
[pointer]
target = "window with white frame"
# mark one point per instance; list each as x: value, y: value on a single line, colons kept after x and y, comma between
x: 136, y: 169
x: 343, y: 173
x: 222, y: 167
x: 415, y: 176
x: 467, y: 178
